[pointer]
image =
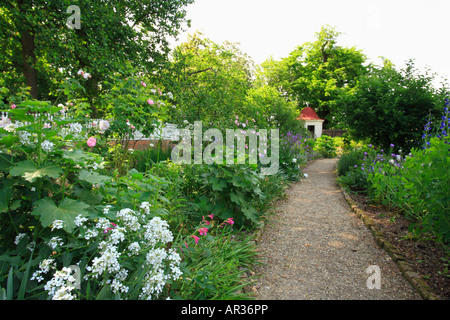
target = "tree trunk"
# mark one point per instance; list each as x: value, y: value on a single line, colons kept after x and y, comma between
x: 28, y: 46
x: 29, y: 61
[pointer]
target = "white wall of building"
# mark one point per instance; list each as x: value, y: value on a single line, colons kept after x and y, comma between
x: 317, y: 126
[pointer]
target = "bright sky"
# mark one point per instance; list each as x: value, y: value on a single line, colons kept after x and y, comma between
x: 396, y: 29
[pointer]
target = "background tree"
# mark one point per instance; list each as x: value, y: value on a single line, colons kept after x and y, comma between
x: 209, y: 81
x: 42, y: 51
x: 269, y: 109
x: 392, y: 106
x: 316, y: 73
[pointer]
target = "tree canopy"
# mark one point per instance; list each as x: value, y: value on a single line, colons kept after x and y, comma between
x: 392, y: 106
x: 316, y: 73
x: 41, y: 50
x: 208, y: 80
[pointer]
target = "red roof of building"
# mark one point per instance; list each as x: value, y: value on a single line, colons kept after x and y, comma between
x: 308, y: 113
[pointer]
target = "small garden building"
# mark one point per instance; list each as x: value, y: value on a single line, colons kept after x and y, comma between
x: 312, y: 121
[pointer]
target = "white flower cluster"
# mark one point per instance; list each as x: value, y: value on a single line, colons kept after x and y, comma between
x: 129, y: 218
x: 55, y: 242
x: 24, y: 137
x: 145, y: 206
x: 47, y: 146
x: 59, y: 287
x: 19, y: 237
x: 4, y: 121
x: 108, y: 261
x: 10, y: 126
x: 156, y: 278
x: 75, y: 128
x: 44, y: 267
x: 156, y: 230
x: 131, y: 238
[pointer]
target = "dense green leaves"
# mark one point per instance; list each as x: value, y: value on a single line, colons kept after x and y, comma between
x: 390, y: 106
x: 316, y: 74
x: 28, y: 170
x: 43, y: 51
x: 420, y: 188
x: 209, y: 82
x: 67, y: 210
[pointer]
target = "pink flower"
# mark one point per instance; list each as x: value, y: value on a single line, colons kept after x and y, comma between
x: 107, y: 229
x: 143, y: 83
x: 211, y: 216
x: 13, y: 106
x: 150, y: 101
x: 91, y: 142
x: 203, y: 231
x: 195, y: 238
x: 230, y: 221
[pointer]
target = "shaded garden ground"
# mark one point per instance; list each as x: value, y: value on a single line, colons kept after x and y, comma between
x: 426, y: 257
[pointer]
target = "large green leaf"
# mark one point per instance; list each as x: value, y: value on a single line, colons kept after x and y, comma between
x: 250, y: 213
x: 77, y: 156
x: 93, y: 177
x: 218, y: 184
x: 9, y: 140
x: 28, y: 170
x: 5, y: 196
x: 67, y: 211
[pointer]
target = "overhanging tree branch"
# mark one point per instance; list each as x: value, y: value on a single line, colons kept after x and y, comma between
x: 200, y: 71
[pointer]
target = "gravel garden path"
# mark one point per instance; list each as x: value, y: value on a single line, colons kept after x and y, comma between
x: 314, y: 248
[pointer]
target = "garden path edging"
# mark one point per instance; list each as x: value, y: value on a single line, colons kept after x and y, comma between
x: 406, y: 269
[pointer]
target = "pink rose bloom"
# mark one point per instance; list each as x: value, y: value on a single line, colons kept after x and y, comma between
x: 150, y: 101
x: 91, y: 142
x: 13, y: 106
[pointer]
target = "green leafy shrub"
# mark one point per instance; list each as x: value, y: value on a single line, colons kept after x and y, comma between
x: 295, y: 151
x: 225, y: 191
x: 60, y: 213
x: 420, y: 188
x: 348, y: 160
x: 419, y: 185
x: 142, y: 160
x: 324, y: 145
